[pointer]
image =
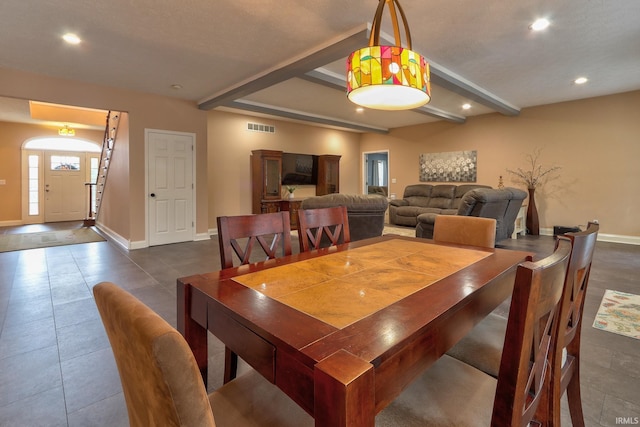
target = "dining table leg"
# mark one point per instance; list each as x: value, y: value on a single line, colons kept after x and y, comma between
x: 344, y: 391
x: 193, y: 332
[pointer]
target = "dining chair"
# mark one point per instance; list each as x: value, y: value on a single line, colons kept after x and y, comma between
x: 161, y: 381
x: 453, y: 393
x: 267, y: 230
x: 565, y: 372
x: 323, y: 227
x: 482, y: 347
x: 239, y: 235
x: 465, y: 230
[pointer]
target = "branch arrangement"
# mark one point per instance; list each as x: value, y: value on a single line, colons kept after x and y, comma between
x: 532, y: 176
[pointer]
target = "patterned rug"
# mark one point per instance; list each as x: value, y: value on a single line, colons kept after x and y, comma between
x: 45, y: 239
x: 619, y: 313
x: 403, y: 231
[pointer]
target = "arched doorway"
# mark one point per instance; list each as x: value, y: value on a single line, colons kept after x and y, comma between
x: 54, y: 173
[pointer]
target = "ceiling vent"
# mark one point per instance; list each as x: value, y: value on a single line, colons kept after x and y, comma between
x: 257, y: 127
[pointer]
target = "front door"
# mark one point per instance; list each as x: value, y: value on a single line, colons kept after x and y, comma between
x: 170, y: 183
x: 64, y: 178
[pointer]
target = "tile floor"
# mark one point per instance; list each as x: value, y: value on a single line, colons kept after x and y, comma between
x: 57, y: 369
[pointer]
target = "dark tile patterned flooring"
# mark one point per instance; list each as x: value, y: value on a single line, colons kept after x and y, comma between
x: 57, y: 369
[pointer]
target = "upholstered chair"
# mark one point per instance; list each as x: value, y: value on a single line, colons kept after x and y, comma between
x: 465, y: 230
x: 161, y: 381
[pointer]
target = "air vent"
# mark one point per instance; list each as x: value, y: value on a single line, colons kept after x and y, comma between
x: 257, y: 127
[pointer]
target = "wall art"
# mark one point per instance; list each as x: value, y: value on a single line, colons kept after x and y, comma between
x: 454, y: 166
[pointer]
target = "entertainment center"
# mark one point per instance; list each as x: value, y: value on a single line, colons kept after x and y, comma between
x: 271, y: 169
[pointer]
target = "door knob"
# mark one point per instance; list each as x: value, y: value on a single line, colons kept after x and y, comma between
x: 153, y: 194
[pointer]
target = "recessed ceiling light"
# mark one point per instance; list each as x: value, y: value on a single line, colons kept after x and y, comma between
x: 539, y: 24
x: 581, y: 80
x: 71, y: 38
x: 466, y: 106
x: 176, y: 86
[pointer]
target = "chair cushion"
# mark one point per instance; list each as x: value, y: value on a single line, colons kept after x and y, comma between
x: 482, y: 346
x: 450, y: 393
x: 251, y: 400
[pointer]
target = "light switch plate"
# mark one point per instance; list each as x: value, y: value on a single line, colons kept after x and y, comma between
x: 3, y: 182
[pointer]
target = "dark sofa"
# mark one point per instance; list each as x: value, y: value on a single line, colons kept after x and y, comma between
x: 427, y: 198
x: 366, y: 212
x: 502, y: 205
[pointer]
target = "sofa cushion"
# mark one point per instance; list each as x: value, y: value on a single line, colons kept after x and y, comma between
x: 442, y: 196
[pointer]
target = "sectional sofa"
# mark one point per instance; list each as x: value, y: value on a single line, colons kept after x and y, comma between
x: 421, y: 204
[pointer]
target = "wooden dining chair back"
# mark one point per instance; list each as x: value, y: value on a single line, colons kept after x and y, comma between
x: 269, y: 231
x: 323, y: 227
x: 530, y: 339
x: 162, y: 383
x: 465, y: 230
x: 239, y: 235
x: 453, y: 393
x: 566, y: 366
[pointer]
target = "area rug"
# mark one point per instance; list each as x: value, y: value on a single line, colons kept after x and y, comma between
x: 402, y: 231
x: 619, y: 313
x: 45, y: 239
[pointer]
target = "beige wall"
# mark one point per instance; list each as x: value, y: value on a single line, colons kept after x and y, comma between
x: 12, y: 137
x: 596, y: 141
x: 230, y: 146
x: 115, y: 207
x: 145, y: 111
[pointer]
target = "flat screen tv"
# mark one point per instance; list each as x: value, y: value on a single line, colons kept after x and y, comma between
x: 299, y: 169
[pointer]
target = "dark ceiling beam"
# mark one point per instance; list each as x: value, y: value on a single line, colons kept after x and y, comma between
x: 334, y: 49
x: 271, y: 110
x: 446, y: 79
x: 330, y: 79
x: 451, y: 81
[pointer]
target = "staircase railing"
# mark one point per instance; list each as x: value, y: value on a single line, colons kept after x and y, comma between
x: 97, y: 188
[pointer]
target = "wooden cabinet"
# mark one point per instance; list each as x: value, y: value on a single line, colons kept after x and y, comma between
x: 291, y: 205
x: 266, y: 178
x: 266, y: 168
x: 328, y: 174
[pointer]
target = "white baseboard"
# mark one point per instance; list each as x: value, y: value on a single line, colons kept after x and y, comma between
x: 612, y: 238
x: 115, y: 237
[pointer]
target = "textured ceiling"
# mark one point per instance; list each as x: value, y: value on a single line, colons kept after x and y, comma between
x: 209, y: 47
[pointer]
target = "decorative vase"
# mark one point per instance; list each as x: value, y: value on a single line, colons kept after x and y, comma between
x: 533, y: 225
x: 291, y: 195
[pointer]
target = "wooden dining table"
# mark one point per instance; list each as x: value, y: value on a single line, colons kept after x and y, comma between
x: 343, y: 330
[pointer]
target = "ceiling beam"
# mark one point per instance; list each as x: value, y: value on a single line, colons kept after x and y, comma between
x: 245, y: 105
x: 338, y: 81
x: 453, y: 82
x: 339, y: 47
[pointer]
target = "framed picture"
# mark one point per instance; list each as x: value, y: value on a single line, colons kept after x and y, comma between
x: 454, y: 166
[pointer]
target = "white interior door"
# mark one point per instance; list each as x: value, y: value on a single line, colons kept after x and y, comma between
x: 170, y: 184
x: 64, y: 178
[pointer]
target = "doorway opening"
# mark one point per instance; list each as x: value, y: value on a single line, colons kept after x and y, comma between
x: 376, y: 172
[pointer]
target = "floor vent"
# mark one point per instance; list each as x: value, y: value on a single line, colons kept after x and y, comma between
x: 257, y: 127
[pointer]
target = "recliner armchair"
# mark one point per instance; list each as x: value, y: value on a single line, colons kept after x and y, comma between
x: 501, y: 204
x: 365, y: 212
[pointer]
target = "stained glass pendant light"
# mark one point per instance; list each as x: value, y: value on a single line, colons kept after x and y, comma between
x: 388, y: 77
